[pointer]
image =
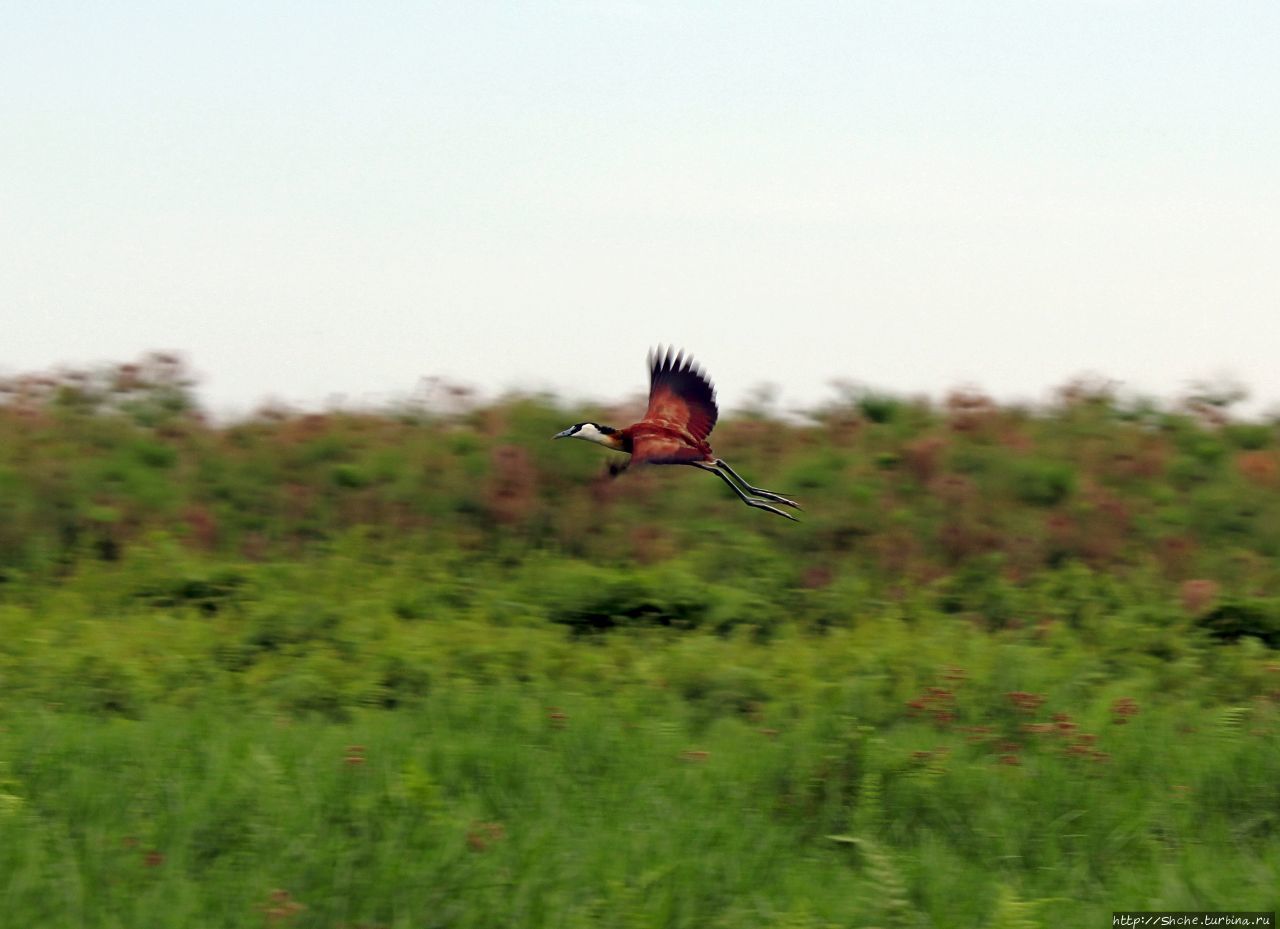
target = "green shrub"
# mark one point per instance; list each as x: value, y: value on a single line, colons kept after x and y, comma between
x: 1043, y: 483
x: 595, y: 599
x: 1250, y: 436
x: 1258, y: 617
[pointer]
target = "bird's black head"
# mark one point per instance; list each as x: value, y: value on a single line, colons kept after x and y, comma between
x: 591, y: 432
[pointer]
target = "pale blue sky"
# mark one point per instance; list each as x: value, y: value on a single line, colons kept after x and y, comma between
x: 316, y: 199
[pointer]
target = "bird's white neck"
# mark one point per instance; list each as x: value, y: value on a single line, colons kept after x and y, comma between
x: 589, y: 433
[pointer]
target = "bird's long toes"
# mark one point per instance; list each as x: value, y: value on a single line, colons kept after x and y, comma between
x: 761, y: 505
x: 776, y: 498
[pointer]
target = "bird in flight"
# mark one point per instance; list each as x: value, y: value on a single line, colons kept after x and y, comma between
x: 682, y: 412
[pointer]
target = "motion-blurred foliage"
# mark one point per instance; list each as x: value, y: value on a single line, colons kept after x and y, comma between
x: 93, y: 464
x: 423, y: 666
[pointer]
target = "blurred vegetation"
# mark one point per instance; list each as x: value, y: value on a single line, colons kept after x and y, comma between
x: 422, y: 666
x: 898, y: 493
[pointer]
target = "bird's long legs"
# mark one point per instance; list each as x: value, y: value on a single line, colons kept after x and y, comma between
x: 749, y: 501
x: 755, y: 491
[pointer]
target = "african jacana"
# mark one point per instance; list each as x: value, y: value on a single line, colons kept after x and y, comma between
x: 681, y: 414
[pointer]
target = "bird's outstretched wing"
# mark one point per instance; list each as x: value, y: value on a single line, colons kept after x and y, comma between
x: 680, y: 394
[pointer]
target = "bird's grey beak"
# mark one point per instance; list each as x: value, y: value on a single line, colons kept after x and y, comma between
x: 563, y: 435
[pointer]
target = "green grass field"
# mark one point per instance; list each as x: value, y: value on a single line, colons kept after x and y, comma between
x: 408, y: 670
x: 170, y: 766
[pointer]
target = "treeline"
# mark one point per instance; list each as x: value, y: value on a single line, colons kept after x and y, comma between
x: 904, y: 491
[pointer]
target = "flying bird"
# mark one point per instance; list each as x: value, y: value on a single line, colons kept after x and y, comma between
x: 682, y: 412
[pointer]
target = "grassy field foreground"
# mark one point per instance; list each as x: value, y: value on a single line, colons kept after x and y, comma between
x: 425, y: 668
x: 311, y: 752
